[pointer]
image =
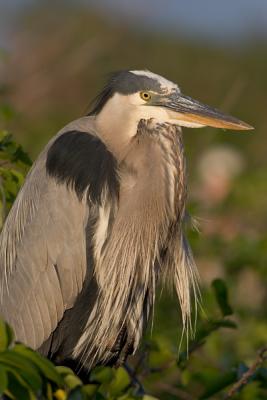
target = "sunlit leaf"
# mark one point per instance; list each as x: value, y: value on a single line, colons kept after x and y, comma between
x: 120, y: 382
x: 64, y: 370
x: 3, y: 336
x: 72, y: 381
x: 102, y: 374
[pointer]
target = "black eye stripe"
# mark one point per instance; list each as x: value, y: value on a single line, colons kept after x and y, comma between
x: 125, y: 82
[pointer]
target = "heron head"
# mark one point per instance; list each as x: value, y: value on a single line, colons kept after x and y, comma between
x: 130, y: 96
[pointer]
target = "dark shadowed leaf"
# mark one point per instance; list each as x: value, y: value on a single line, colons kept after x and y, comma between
x: 221, y: 294
x: 44, y: 365
x: 99, y: 396
x: 17, y: 387
x: 216, y: 385
x: 3, y: 379
x: 11, y: 151
x: 76, y: 394
x: 24, y: 367
x: 21, y: 155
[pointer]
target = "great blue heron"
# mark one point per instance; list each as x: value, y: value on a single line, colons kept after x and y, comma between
x: 99, y: 220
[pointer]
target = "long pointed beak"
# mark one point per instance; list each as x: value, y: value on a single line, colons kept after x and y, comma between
x: 190, y: 112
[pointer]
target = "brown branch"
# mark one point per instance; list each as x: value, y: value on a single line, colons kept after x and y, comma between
x: 5, y: 163
x: 262, y: 356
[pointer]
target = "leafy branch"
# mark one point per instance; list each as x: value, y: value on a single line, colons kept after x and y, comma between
x: 249, y: 374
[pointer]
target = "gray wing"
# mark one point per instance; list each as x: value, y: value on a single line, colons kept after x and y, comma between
x: 42, y: 256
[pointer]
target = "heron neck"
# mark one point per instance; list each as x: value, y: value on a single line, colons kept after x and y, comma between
x: 154, y: 169
x: 116, y: 127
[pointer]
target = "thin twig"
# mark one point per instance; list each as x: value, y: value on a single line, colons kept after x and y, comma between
x: 262, y: 356
x: 135, y: 381
x: 141, y: 361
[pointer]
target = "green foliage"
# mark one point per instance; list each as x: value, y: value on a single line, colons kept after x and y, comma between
x: 14, y: 163
x: 26, y: 375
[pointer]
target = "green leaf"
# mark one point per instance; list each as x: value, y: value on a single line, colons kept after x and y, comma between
x: 6, y: 335
x: 120, y: 382
x: 222, y: 297
x: 5, y: 138
x: 24, y: 367
x: 17, y: 387
x: 44, y: 365
x: 10, y: 334
x: 64, y: 370
x: 49, y: 392
x: 12, y: 181
x: 90, y: 389
x: 3, y: 380
x: 3, y: 336
x: 21, y: 155
x: 11, y: 151
x: 72, y: 381
x: 76, y: 394
x: 102, y: 374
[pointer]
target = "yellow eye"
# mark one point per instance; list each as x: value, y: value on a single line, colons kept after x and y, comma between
x: 145, y: 96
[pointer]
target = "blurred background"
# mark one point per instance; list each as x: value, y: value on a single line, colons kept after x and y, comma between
x: 54, y: 57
